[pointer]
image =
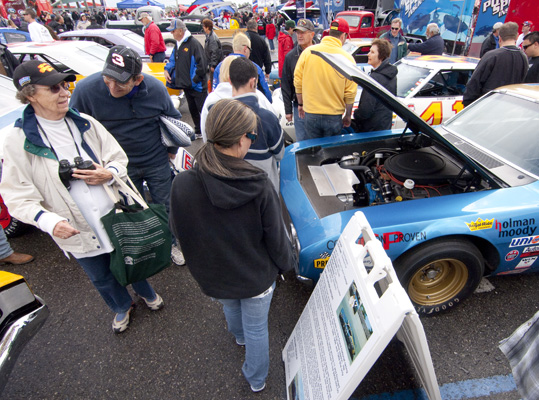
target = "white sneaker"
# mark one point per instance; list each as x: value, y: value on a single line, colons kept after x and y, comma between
x: 177, y: 256
x: 156, y: 304
x: 121, y: 321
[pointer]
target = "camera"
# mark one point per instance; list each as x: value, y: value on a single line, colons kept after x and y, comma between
x: 65, y: 170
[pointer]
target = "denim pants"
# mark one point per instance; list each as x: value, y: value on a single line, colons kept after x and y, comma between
x: 158, y: 179
x: 159, y: 57
x: 5, y: 248
x: 299, y: 124
x: 247, y: 320
x: 115, y: 295
x: 321, y: 125
x: 271, y: 44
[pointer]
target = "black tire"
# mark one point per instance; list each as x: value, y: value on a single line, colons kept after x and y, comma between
x: 12, y: 226
x: 439, y: 275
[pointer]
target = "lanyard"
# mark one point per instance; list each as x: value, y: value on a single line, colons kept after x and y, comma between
x: 50, y: 143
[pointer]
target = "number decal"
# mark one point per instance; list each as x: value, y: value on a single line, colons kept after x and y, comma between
x: 457, y: 106
x: 433, y: 114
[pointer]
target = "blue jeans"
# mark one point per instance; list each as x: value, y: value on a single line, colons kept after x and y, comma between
x: 247, y: 320
x: 299, y: 124
x: 321, y: 125
x: 271, y: 44
x: 158, y: 179
x: 5, y: 248
x: 159, y: 57
x: 115, y: 295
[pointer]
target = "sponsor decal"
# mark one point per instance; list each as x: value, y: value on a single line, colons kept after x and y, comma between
x: 524, y: 241
x: 526, y: 262
x: 529, y: 253
x: 410, y: 6
x: 389, y: 238
x: 511, y: 255
x: 515, y: 227
x: 44, y: 67
x: 512, y: 272
x: 497, y: 7
x: 321, y: 262
x: 480, y: 224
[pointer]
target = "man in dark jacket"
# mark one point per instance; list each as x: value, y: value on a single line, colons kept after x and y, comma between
x: 187, y: 70
x: 503, y: 66
x: 305, y: 32
x: 530, y: 44
x: 371, y: 115
x: 212, y: 47
x: 492, y: 40
x: 434, y: 45
x: 58, y: 25
x: 260, y: 53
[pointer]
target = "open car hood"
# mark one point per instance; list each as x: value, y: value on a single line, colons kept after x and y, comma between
x: 414, y: 122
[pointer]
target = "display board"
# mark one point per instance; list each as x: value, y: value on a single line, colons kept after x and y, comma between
x: 346, y: 324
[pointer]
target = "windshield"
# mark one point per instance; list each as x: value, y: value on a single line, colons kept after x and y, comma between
x: 409, y: 77
x: 505, y: 125
x: 352, y: 20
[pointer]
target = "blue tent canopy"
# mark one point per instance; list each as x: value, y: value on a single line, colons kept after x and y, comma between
x: 137, y: 4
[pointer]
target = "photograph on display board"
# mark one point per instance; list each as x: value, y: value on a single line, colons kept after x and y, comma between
x: 355, y: 326
x: 295, y: 389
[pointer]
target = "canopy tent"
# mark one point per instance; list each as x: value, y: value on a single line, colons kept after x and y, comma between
x: 199, y: 6
x: 136, y: 4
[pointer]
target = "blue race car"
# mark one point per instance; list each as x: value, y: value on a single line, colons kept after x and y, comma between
x: 10, y: 35
x: 450, y: 205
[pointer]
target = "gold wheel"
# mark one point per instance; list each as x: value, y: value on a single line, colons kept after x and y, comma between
x: 438, y: 282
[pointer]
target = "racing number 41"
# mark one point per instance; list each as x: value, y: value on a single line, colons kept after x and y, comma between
x: 434, y: 113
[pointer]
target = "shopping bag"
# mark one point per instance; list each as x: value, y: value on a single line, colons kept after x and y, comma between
x: 140, y: 235
x: 175, y: 133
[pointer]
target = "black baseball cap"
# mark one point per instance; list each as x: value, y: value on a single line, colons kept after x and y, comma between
x: 37, y: 72
x: 122, y: 63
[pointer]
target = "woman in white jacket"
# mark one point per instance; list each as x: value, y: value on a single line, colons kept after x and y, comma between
x: 70, y: 210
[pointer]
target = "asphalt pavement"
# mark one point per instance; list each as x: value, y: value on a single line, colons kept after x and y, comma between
x: 185, y: 352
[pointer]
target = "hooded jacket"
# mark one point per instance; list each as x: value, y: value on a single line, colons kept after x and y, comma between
x: 286, y: 43
x: 371, y: 114
x: 241, y: 244
x: 188, y: 62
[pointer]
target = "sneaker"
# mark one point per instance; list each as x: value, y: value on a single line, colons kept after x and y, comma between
x: 155, y: 304
x: 240, y: 342
x: 177, y: 256
x: 198, y: 136
x: 256, y: 390
x: 121, y: 321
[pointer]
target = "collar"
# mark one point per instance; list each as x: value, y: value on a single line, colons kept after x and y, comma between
x: 186, y: 36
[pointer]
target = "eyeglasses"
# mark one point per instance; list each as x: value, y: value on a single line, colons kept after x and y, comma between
x: 248, y: 47
x: 55, y: 89
x: 252, y: 136
x: 525, y: 46
x: 110, y: 81
x: 395, y: 29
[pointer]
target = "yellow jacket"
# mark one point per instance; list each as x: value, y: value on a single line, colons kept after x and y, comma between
x: 324, y: 90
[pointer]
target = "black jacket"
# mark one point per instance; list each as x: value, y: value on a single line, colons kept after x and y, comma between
x: 231, y: 232
x: 260, y: 53
x: 371, y: 114
x: 213, y: 50
x: 533, y: 72
x: 189, y: 64
x: 432, y: 46
x: 488, y: 44
x: 503, y: 66
x: 287, y: 80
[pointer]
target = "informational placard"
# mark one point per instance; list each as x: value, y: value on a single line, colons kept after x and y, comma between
x: 346, y: 324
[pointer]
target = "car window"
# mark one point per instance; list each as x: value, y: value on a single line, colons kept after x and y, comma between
x: 353, y: 20
x: 366, y: 22
x: 505, y: 125
x: 446, y: 83
x: 409, y: 77
x: 12, y: 37
x: 101, y: 41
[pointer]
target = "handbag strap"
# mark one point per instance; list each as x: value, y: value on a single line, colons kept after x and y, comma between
x: 126, y: 190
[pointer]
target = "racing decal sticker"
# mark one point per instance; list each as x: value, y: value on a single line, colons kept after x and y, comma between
x: 524, y: 241
x: 512, y: 272
x: 511, y: 255
x: 480, y: 224
x: 526, y: 262
x: 516, y: 227
x: 434, y: 113
x: 530, y: 251
x: 321, y: 262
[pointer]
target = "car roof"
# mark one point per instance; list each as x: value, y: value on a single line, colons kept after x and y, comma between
x: 530, y: 90
x: 441, y: 62
x: 98, y: 32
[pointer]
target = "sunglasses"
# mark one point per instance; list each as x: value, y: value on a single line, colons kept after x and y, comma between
x: 248, y: 47
x: 525, y: 46
x: 252, y: 136
x: 56, y: 88
x: 395, y: 29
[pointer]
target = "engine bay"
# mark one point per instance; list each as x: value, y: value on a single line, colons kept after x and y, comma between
x: 384, y: 172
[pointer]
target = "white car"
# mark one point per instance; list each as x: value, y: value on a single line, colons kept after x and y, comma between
x: 110, y: 38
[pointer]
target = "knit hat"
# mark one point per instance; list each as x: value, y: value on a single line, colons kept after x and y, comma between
x: 122, y: 63
x: 37, y: 72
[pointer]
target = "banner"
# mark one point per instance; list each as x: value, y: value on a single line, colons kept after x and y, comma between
x: 490, y: 12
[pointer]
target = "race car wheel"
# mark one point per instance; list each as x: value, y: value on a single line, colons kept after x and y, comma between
x: 439, y: 275
x: 12, y: 227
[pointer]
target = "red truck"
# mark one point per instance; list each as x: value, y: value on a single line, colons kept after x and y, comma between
x: 363, y: 24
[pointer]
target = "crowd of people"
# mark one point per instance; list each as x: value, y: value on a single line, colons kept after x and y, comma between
x: 112, y: 120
